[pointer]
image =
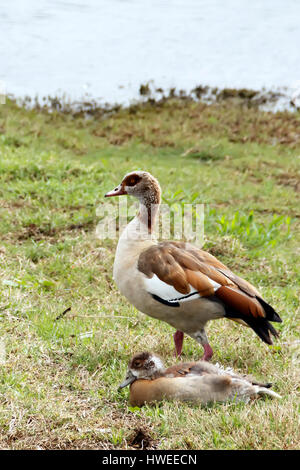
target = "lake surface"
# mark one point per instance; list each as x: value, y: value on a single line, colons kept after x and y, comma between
x: 107, y: 48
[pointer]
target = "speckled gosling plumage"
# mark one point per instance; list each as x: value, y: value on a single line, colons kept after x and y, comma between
x: 198, y: 382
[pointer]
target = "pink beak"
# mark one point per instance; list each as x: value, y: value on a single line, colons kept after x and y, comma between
x: 118, y: 191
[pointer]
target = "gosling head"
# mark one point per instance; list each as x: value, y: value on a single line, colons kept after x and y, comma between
x: 144, y: 365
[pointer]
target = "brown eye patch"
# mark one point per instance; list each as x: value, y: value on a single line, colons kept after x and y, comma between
x: 138, y: 360
x: 132, y: 180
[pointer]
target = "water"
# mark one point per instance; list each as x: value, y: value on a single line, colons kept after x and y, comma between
x: 107, y: 48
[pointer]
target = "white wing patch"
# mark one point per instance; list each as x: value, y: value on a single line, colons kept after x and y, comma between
x: 164, y: 291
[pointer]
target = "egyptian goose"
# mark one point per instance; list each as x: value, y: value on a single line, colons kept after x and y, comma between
x: 192, y: 381
x: 177, y: 282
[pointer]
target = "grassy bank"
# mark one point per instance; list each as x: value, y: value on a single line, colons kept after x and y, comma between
x: 58, y: 379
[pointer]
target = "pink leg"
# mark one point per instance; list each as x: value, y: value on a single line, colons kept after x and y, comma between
x: 201, y: 338
x: 178, y: 340
x: 208, y: 352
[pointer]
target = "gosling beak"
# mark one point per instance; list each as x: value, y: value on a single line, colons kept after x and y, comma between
x: 118, y: 191
x: 130, y: 378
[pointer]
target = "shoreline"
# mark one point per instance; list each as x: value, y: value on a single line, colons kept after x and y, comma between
x: 276, y: 100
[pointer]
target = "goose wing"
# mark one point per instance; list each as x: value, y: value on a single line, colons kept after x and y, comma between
x: 177, y: 272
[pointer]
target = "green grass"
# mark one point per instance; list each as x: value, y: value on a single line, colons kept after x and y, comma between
x: 58, y: 382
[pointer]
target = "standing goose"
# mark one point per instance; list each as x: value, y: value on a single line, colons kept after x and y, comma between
x: 177, y: 282
x: 192, y: 381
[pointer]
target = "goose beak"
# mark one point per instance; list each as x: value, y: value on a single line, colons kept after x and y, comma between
x: 130, y: 378
x: 118, y: 191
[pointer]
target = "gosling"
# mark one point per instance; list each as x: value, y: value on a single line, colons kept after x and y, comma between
x: 197, y: 382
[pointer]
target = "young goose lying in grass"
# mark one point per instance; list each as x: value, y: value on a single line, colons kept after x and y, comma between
x: 177, y: 282
x: 199, y: 382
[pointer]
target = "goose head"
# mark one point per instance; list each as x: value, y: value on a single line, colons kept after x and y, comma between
x: 141, y: 185
x: 143, y: 366
x: 146, y: 189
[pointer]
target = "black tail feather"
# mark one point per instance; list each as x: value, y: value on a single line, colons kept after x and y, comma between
x: 261, y: 325
x: 262, y: 328
x: 270, y: 312
x: 267, y: 385
x: 272, y: 329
